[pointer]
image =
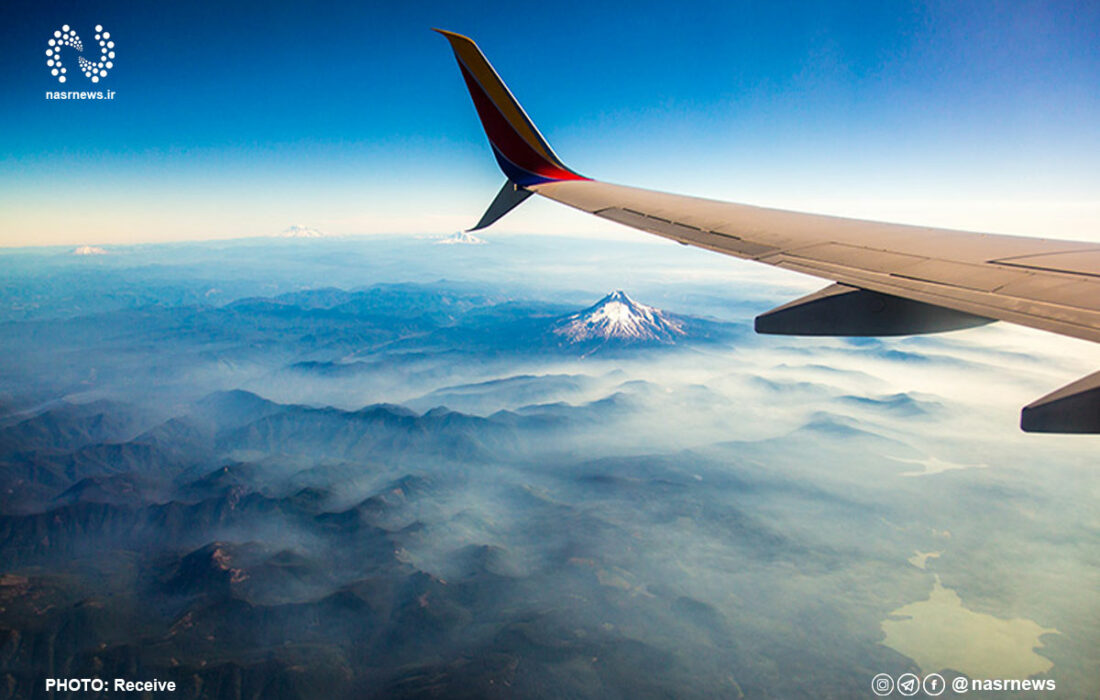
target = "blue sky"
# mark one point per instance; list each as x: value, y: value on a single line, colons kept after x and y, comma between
x: 351, y: 117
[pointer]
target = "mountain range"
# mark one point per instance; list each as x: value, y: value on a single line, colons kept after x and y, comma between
x: 294, y: 469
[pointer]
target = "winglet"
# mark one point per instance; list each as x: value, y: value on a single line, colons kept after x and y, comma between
x: 520, y: 149
x: 509, y: 197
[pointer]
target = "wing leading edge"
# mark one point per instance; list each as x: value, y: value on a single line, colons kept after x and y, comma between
x: 891, y: 279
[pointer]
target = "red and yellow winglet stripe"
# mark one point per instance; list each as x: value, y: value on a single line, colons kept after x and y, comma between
x: 520, y: 149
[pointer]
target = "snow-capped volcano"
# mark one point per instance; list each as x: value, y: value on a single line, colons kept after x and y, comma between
x: 89, y: 250
x: 461, y: 238
x: 300, y: 231
x: 618, y: 317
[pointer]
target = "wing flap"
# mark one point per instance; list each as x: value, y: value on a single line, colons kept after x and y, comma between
x: 982, y: 278
x: 686, y: 233
x: 1077, y: 293
x: 872, y: 259
x: 1085, y: 261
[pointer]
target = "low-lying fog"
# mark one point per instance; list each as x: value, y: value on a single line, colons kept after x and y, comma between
x: 365, y: 467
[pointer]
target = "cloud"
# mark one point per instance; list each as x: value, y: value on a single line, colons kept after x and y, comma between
x: 933, y: 465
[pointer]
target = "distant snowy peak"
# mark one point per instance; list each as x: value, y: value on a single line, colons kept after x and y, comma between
x: 619, y: 317
x: 89, y: 250
x: 461, y: 238
x: 300, y: 231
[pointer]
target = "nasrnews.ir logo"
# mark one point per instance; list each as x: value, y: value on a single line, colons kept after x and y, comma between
x: 93, y: 69
x: 65, y: 51
x: 909, y: 684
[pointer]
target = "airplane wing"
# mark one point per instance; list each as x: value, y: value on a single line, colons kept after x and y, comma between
x: 888, y: 279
